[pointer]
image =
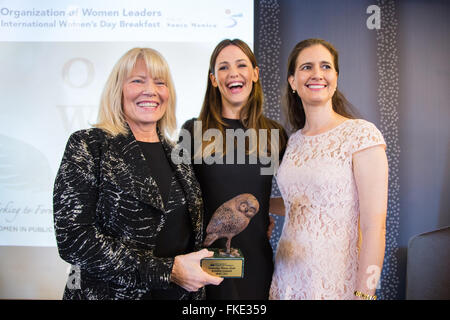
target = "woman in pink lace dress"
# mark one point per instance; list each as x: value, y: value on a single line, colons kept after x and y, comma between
x: 333, y: 181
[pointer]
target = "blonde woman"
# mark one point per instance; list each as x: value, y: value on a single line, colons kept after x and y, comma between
x: 126, y: 217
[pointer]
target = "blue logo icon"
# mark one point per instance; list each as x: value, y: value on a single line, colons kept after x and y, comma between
x: 233, y: 18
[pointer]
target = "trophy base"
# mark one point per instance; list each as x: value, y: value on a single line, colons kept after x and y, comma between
x: 224, y: 265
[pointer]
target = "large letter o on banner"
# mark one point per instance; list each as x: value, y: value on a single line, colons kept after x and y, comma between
x: 68, y: 76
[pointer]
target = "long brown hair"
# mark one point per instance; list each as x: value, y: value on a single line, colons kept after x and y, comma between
x: 251, y: 115
x: 293, y: 106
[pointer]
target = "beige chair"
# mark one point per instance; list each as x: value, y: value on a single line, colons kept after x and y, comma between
x: 428, y: 266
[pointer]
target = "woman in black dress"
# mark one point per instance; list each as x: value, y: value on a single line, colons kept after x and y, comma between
x: 233, y: 104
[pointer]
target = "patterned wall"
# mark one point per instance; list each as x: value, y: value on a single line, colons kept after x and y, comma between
x: 267, y: 48
x: 388, y: 102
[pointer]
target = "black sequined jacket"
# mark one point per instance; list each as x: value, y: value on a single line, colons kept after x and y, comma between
x: 107, y: 215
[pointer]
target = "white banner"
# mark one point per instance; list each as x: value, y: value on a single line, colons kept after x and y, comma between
x: 131, y: 20
x: 52, y: 77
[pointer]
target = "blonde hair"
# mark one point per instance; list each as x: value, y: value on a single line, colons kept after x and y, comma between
x: 111, y: 117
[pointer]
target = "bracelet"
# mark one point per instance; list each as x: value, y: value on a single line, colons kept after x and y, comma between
x: 365, y: 296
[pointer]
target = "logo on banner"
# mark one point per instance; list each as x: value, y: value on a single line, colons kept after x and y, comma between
x: 233, y: 18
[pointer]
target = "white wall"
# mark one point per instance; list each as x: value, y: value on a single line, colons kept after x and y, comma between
x: 32, y: 273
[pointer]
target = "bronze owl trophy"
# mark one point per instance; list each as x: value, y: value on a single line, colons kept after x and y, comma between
x: 230, y: 219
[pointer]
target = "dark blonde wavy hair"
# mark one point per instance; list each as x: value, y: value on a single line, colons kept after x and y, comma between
x: 251, y: 115
x: 292, y: 104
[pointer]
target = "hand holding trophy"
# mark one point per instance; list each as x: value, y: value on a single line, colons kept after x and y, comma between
x: 230, y: 219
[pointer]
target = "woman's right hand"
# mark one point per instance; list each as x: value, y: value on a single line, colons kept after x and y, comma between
x: 188, y: 274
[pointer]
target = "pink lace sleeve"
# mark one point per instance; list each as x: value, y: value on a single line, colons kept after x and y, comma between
x: 366, y: 135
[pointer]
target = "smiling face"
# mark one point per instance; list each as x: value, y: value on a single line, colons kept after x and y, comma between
x: 315, y: 76
x: 145, y: 99
x: 234, y: 76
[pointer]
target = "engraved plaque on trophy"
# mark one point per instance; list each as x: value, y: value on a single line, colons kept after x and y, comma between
x: 228, y: 220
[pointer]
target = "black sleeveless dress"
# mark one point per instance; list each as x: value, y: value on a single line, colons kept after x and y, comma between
x: 219, y: 183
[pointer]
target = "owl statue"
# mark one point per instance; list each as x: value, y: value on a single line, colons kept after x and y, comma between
x: 231, y: 218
